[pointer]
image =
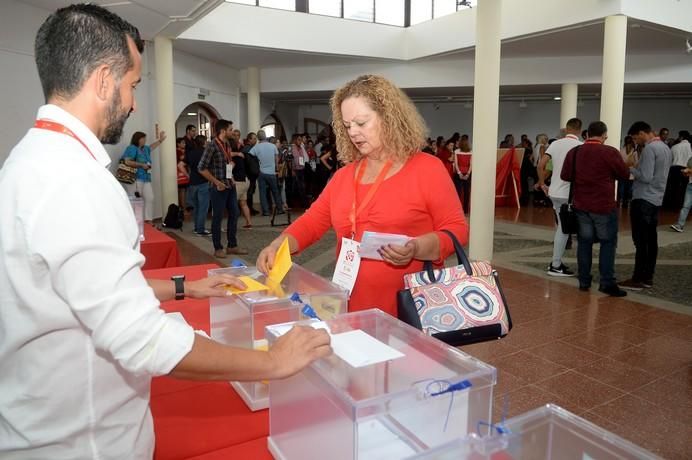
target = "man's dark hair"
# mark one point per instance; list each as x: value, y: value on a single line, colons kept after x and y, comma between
x: 574, y: 124
x: 136, y: 138
x: 178, y: 140
x: 639, y: 126
x: 684, y: 135
x: 220, y: 125
x: 189, y: 127
x: 597, y: 129
x: 250, y: 135
x: 585, y: 134
x: 663, y: 129
x: 77, y: 39
x: 200, y: 141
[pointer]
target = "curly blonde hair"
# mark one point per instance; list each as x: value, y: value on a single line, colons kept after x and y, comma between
x: 403, y: 129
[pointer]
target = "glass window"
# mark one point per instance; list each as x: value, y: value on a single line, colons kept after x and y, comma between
x: 269, y: 130
x: 280, y: 4
x: 390, y: 12
x: 421, y: 11
x: 325, y: 7
x: 444, y: 7
x: 360, y: 10
x: 244, y: 2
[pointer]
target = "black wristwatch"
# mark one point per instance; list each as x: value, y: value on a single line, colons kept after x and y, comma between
x: 179, y: 281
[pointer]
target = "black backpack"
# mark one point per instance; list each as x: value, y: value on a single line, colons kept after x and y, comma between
x: 252, y: 166
x: 174, y: 217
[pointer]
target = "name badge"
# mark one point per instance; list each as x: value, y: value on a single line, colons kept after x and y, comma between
x: 301, y: 161
x: 229, y: 170
x: 347, y: 265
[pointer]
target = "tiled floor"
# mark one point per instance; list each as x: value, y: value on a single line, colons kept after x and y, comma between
x: 624, y: 365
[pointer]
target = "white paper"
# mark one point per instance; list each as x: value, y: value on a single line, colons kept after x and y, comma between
x: 281, y: 329
x: 372, y: 241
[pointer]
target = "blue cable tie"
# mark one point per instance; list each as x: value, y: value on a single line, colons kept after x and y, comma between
x: 308, y: 311
x: 462, y: 385
x: 237, y: 263
x: 295, y: 297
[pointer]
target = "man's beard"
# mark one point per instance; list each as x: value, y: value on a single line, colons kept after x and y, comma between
x: 116, y: 121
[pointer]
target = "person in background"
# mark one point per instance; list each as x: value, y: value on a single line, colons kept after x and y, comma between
x: 559, y: 190
x: 267, y: 154
x: 664, y: 134
x: 446, y: 156
x: 183, y: 178
x: 138, y: 155
x: 393, y: 186
x: 629, y: 156
x: 190, y: 133
x: 428, y: 147
x: 650, y: 176
x: 300, y: 161
x: 198, y: 190
x: 326, y: 167
x: 462, y: 173
x: 82, y: 329
x: 598, y: 166
x: 311, y: 179
x: 252, y: 170
x: 240, y: 178
x: 679, y: 226
x: 677, y: 181
x: 528, y: 176
x: 508, y: 142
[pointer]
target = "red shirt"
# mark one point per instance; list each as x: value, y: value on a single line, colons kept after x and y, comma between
x: 463, y: 160
x: 444, y: 155
x: 598, y: 166
x: 418, y: 199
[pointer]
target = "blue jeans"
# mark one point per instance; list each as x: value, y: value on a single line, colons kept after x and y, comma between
x: 268, y: 181
x: 220, y: 202
x: 686, y: 206
x: 644, y: 217
x: 605, y: 228
x: 198, y: 196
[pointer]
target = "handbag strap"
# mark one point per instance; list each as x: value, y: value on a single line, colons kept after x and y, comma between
x: 574, y: 176
x: 462, y: 259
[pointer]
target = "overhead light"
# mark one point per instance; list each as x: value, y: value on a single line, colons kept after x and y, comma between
x: 557, y: 98
x: 523, y: 104
x: 192, y: 114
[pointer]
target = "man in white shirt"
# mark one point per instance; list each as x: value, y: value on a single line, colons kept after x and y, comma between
x: 677, y: 181
x: 559, y: 190
x: 81, y: 331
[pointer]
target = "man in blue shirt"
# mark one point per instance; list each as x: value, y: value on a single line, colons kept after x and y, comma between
x: 267, y: 154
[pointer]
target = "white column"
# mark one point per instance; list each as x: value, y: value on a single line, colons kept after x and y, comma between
x: 253, y: 99
x: 568, y: 107
x: 613, y: 81
x: 163, y: 49
x: 486, y: 104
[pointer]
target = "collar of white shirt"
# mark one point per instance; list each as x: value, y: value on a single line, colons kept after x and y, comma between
x: 54, y: 113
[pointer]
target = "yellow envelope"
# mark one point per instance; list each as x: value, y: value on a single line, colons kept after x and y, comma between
x: 251, y: 284
x: 282, y: 264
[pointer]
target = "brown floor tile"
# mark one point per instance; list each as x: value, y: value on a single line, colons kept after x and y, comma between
x: 651, y: 361
x: 601, y: 422
x: 649, y: 426
x: 565, y: 354
x: 528, y: 367
x: 507, y: 383
x: 685, y: 334
x: 627, y: 332
x: 672, y: 395
x: 595, y: 342
x: 570, y: 323
x: 487, y: 351
x: 528, y: 335
x: 579, y: 390
x: 670, y: 346
x: 619, y: 375
x: 661, y: 321
x: 525, y: 399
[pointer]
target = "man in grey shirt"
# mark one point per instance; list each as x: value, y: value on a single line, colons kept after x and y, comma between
x: 267, y: 154
x: 650, y: 176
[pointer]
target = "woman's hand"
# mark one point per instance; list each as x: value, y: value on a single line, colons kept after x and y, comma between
x: 265, y: 259
x: 162, y: 136
x: 399, y: 255
x: 213, y: 286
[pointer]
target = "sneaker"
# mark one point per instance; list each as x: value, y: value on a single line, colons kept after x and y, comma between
x: 648, y: 284
x: 220, y: 254
x: 203, y: 233
x: 613, y: 291
x: 677, y: 228
x: 562, y: 270
x: 632, y: 285
x: 236, y: 250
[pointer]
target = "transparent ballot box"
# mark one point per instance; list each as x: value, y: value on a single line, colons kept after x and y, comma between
x: 138, y: 209
x: 546, y: 433
x: 387, y: 392
x: 240, y: 320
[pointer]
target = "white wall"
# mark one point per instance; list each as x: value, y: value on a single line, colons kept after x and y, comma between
x: 21, y: 94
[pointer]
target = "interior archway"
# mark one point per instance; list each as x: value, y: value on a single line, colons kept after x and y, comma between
x: 199, y: 114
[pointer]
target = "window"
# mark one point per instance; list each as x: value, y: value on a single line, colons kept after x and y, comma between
x: 325, y: 7
x: 360, y: 10
x: 421, y: 11
x: 279, y: 4
x: 390, y: 12
x: 444, y: 7
x: 269, y: 130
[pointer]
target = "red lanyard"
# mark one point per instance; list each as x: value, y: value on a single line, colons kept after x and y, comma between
x: 62, y: 129
x: 360, y: 170
x: 224, y: 149
x: 589, y: 141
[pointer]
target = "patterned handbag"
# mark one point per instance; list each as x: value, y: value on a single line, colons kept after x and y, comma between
x: 458, y: 305
x: 126, y: 174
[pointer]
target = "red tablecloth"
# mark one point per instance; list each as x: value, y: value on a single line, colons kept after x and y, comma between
x: 203, y: 420
x: 159, y: 249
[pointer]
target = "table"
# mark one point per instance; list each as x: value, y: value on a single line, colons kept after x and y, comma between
x: 202, y: 420
x: 159, y: 249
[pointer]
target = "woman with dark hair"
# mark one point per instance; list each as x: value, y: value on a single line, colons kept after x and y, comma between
x: 138, y: 155
x: 325, y: 168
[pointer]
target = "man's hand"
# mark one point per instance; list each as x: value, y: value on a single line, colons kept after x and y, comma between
x: 297, y: 349
x: 399, y: 255
x: 220, y: 186
x: 213, y: 286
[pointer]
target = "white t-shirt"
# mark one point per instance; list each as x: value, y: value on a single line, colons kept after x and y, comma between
x: 558, y: 150
x: 81, y: 332
x: 682, y: 153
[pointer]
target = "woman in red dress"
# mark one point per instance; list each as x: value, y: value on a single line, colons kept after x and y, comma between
x: 393, y: 187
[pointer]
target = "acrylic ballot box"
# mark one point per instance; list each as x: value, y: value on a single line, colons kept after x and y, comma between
x: 387, y: 392
x: 239, y: 320
x: 546, y: 433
